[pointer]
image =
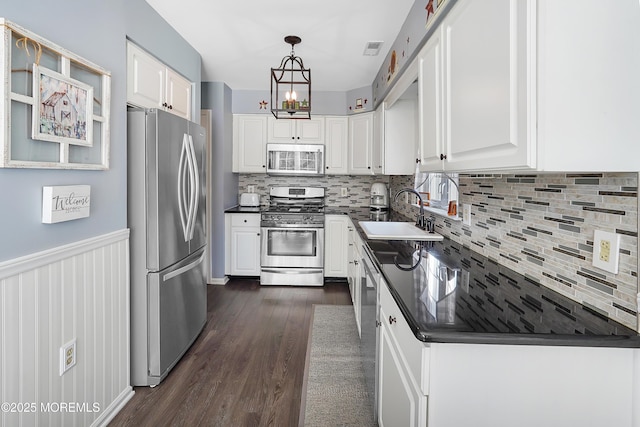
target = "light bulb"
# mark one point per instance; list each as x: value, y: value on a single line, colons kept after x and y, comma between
x: 288, y: 95
x: 293, y: 95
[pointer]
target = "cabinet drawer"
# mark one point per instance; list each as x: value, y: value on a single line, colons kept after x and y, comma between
x: 245, y: 220
x: 416, y: 354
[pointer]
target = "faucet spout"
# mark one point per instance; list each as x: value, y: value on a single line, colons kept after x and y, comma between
x: 421, y: 221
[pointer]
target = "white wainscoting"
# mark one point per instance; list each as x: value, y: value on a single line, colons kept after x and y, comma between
x: 80, y: 291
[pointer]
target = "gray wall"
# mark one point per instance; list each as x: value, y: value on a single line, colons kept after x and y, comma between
x: 97, y: 31
x: 223, y: 183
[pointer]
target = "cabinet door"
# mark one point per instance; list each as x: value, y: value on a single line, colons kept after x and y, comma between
x: 398, y: 401
x: 250, y: 143
x: 281, y: 130
x: 336, y: 145
x: 178, y: 95
x: 360, y: 144
x: 145, y: 79
x: 336, y: 245
x: 400, y: 137
x: 245, y: 251
x: 378, y: 145
x: 310, y: 131
x: 486, y: 86
x: 430, y: 104
x: 296, y: 131
x: 352, y: 254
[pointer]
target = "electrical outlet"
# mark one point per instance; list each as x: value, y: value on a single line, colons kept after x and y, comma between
x: 251, y: 188
x: 466, y: 214
x: 343, y: 192
x: 606, y: 251
x: 68, y: 356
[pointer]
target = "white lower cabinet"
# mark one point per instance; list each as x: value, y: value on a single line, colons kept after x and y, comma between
x: 336, y: 239
x: 500, y: 385
x: 403, y: 369
x: 355, y: 272
x: 242, y: 241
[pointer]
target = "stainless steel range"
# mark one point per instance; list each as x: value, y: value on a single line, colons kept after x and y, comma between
x: 292, y: 237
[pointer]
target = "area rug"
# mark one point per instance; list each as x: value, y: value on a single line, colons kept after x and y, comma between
x: 334, y: 389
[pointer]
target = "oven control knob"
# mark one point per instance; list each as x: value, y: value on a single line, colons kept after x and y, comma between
x: 279, y: 217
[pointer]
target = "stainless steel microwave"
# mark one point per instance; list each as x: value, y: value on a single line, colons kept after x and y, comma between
x: 295, y: 159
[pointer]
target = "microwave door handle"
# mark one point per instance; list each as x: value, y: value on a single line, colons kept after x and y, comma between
x: 319, y: 162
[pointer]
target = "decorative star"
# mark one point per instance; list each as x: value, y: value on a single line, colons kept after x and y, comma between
x: 407, y: 40
x: 263, y: 104
x: 429, y: 9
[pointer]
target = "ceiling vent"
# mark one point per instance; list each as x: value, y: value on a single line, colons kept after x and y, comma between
x: 372, y: 48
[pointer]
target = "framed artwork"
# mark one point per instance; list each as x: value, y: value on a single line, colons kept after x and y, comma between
x: 62, y: 111
x: 54, y: 105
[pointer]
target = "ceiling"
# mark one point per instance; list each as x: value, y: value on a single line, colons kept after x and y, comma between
x: 240, y: 41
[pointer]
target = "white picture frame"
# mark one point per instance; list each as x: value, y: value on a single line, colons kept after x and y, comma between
x: 27, y: 57
x: 62, y: 110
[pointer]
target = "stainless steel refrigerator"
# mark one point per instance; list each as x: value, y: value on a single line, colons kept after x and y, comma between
x: 166, y: 217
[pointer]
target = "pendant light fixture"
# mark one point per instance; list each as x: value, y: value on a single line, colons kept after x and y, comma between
x: 291, y: 86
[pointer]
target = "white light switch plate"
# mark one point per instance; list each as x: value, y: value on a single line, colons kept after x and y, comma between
x: 606, y: 251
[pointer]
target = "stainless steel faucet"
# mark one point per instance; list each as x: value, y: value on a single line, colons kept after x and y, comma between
x: 422, y: 222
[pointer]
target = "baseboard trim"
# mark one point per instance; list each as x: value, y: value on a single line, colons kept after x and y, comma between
x: 116, y: 406
x: 218, y: 280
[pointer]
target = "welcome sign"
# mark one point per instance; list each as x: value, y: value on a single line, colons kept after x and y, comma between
x: 64, y: 203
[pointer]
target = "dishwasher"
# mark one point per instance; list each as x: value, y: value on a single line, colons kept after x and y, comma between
x: 370, y: 310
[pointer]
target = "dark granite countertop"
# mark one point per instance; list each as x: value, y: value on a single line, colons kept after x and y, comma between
x: 243, y: 209
x: 450, y: 294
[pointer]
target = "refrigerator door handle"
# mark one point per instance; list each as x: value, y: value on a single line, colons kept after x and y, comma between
x: 183, y: 202
x: 195, y: 188
x: 184, y: 269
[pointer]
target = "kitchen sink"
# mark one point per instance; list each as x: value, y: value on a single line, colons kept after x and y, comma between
x: 396, y: 230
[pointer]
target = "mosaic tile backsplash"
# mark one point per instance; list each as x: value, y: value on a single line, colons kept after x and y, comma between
x: 542, y: 227
x: 538, y: 225
x: 358, y: 187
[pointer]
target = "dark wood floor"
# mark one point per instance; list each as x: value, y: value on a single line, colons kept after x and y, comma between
x: 246, y: 367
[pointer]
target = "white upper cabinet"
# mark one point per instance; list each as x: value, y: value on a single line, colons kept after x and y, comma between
x: 511, y: 85
x: 151, y: 84
x: 588, y: 93
x: 400, y: 135
x: 473, y: 89
x: 377, y: 146
x: 178, y: 96
x: 296, y: 131
x: 361, y: 144
x: 430, y: 105
x: 249, y: 143
x: 336, y: 149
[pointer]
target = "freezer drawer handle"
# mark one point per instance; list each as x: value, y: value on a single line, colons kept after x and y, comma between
x: 184, y: 269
